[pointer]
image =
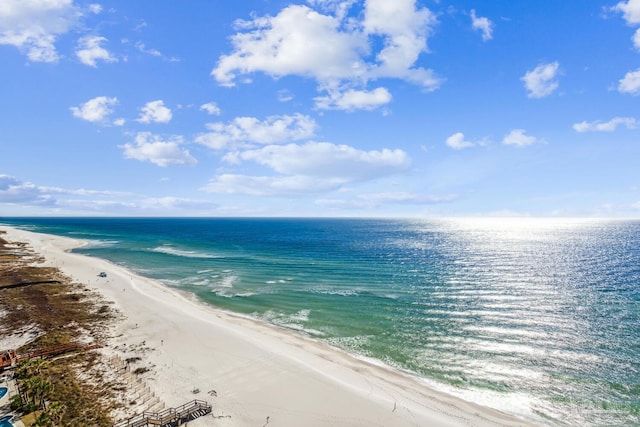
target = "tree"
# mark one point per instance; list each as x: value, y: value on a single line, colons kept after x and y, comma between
x: 30, y: 367
x: 37, y: 388
x: 52, y: 416
x: 56, y: 413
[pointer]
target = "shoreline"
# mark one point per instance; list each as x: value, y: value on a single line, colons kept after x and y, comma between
x: 252, y: 372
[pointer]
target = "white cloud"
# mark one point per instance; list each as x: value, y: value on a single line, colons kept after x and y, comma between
x: 610, y: 126
x: 284, y: 95
x: 541, y: 81
x: 407, y: 198
x: 286, y: 186
x: 52, y: 199
x: 374, y: 200
x: 142, y: 48
x: 335, y: 48
x: 152, y: 148
x: 89, y: 51
x: 33, y: 26
x: 311, y: 168
x: 96, y: 110
x: 297, y: 41
x: 631, y: 13
x: 636, y: 39
x: 630, y: 10
x: 156, y: 112
x: 162, y: 204
x: 250, y: 130
x: 482, y: 24
x: 519, y: 138
x: 119, y: 122
x: 323, y: 159
x: 95, y: 8
x: 211, y: 108
x: 16, y: 191
x: 354, y: 100
x: 630, y: 83
x: 339, y: 8
x: 457, y: 142
x: 13, y: 190
x: 405, y: 30
x: 154, y: 52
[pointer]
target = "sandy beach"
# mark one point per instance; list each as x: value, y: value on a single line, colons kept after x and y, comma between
x: 252, y: 373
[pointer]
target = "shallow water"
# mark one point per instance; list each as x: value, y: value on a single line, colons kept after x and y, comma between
x: 536, y: 317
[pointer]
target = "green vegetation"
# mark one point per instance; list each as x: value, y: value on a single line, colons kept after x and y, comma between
x: 67, y: 390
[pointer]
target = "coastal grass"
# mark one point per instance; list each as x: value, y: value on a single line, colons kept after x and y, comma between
x: 43, y: 302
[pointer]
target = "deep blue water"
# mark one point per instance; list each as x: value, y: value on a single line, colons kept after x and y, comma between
x: 536, y: 317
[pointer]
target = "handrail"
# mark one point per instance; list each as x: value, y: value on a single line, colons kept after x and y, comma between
x: 8, y: 357
x: 167, y: 416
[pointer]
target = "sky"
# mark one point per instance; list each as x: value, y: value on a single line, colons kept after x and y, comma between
x: 339, y: 108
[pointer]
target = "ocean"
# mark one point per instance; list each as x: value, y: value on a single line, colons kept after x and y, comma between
x: 536, y: 317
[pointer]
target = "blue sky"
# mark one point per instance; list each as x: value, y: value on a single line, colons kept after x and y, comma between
x: 320, y: 108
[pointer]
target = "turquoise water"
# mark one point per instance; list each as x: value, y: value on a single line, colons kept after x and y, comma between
x: 536, y: 317
x: 6, y: 421
x: 3, y: 391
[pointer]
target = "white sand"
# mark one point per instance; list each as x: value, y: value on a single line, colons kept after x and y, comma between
x: 260, y: 373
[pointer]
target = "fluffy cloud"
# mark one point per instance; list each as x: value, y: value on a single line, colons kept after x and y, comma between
x: 250, y: 130
x: 33, y: 26
x: 152, y: 148
x: 96, y: 110
x: 297, y: 41
x: 334, y: 50
x: 211, y: 108
x: 630, y: 83
x: 630, y: 10
x: 12, y: 190
x: 155, y: 111
x: 610, y: 126
x: 541, y: 81
x: 323, y: 159
x: 482, y: 24
x: 90, y: 50
x: 354, y: 100
x: 404, y: 30
x: 457, y: 142
x: 311, y: 168
x: 16, y: 191
x: 519, y: 138
x: 339, y: 8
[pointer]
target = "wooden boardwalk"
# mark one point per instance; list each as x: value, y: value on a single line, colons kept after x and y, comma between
x: 169, y: 417
x: 9, y: 357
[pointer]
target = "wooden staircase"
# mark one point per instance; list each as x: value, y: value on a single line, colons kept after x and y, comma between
x: 170, y: 417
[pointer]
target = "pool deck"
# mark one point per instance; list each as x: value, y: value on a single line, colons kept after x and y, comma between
x: 6, y: 380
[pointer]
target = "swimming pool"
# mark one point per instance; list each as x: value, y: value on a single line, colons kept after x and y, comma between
x: 6, y: 421
x: 3, y: 391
